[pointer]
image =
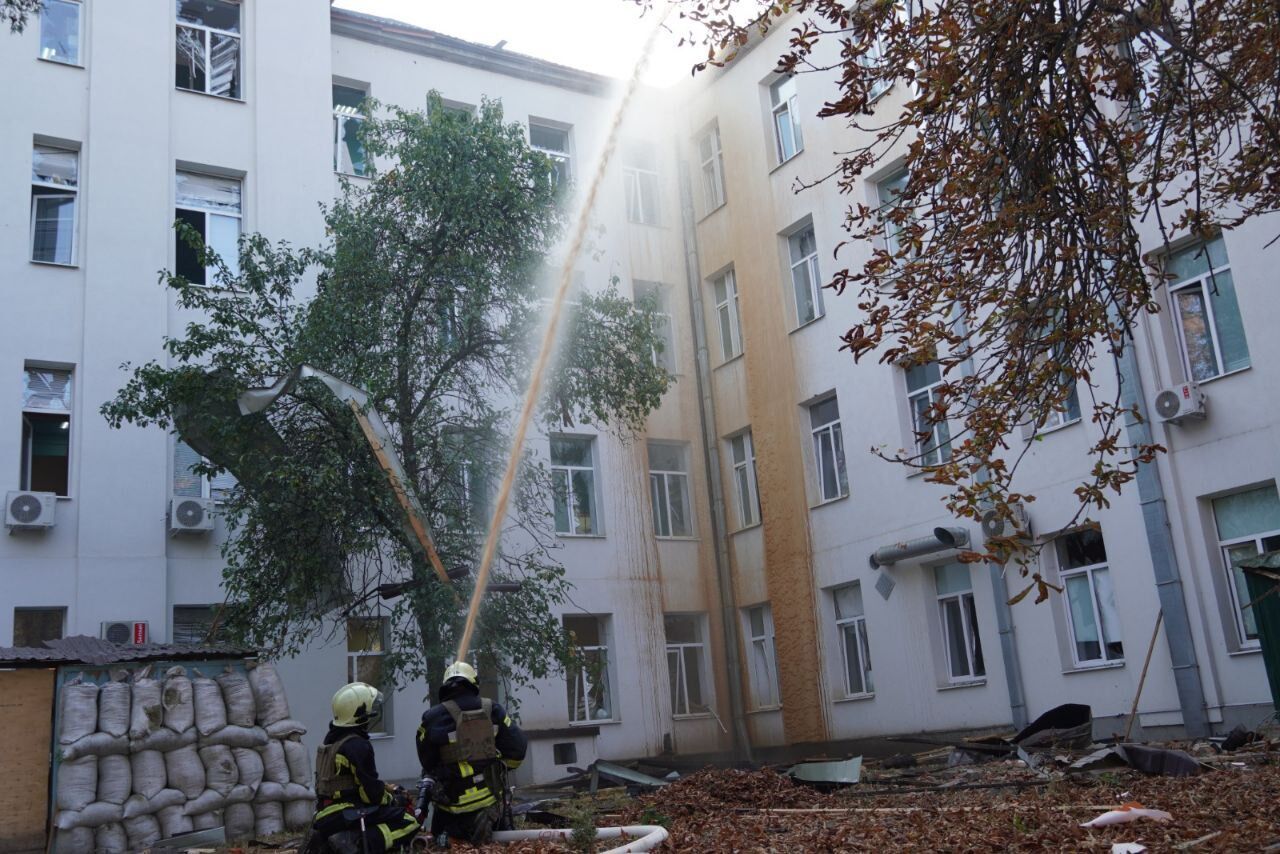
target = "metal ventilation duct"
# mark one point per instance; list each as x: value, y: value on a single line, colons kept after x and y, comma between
x: 940, y: 540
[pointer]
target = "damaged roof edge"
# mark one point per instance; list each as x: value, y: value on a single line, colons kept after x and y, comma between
x: 406, y: 37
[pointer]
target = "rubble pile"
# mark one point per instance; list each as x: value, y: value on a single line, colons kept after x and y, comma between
x: 145, y: 758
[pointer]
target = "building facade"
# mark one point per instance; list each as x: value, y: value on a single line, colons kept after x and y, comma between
x: 720, y: 563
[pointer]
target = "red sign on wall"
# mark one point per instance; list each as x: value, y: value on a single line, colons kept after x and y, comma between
x: 139, y: 633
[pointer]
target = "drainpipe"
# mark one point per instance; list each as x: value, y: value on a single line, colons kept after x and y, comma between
x: 1155, y: 518
x: 711, y: 460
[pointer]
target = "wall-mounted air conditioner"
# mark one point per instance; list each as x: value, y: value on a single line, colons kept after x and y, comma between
x: 1175, y: 405
x: 1018, y: 524
x: 29, y: 511
x: 126, y: 632
x: 190, y: 515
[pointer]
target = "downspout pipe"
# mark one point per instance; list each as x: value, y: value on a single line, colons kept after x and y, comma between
x: 711, y: 461
x: 1164, y: 561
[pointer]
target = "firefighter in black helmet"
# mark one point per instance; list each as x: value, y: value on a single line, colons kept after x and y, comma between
x: 466, y: 743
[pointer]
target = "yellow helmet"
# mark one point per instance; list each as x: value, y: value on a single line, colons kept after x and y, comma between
x: 357, y: 704
x: 461, y: 670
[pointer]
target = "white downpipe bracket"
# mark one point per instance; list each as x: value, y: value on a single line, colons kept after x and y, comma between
x: 648, y: 836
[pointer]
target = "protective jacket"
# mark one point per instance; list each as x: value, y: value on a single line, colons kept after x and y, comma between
x: 463, y: 743
x: 347, y: 777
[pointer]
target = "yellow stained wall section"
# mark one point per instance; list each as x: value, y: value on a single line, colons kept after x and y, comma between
x: 26, y: 702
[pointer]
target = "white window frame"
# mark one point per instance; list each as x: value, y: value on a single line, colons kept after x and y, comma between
x: 1065, y: 574
x: 661, y: 482
x: 641, y: 189
x: 941, y: 451
x: 383, y: 727
x: 206, y: 35
x: 783, y: 104
x: 1225, y: 545
x: 564, y: 159
x: 215, y: 488
x: 969, y: 630
x: 871, y: 59
x: 766, y: 692
x: 834, y: 436
x: 682, y: 705
x: 728, y: 315
x: 1204, y: 283
x: 855, y: 625
x: 341, y: 118
x: 566, y: 471
x: 744, y: 475
x: 233, y: 262
x: 71, y: 191
x: 713, y: 190
x: 68, y: 408
x: 78, y: 62
x: 666, y: 323
x: 579, y: 687
x: 809, y: 263
x: 885, y: 200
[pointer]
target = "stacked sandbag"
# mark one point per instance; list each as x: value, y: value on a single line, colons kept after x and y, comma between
x: 149, y: 758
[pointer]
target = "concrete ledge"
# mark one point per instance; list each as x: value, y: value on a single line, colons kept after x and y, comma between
x: 561, y: 732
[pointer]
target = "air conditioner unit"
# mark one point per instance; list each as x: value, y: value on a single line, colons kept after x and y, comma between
x: 190, y: 515
x: 1019, y: 525
x: 1173, y: 405
x: 29, y: 511
x: 126, y: 632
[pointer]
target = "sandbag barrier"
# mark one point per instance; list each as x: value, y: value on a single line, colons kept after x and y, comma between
x: 144, y: 755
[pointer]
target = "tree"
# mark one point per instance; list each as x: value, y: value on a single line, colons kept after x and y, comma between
x: 1037, y: 134
x: 428, y: 296
x: 15, y: 12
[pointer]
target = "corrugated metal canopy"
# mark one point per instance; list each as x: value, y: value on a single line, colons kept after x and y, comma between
x: 82, y: 649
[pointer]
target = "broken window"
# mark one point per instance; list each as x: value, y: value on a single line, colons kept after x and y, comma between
x: 1091, y: 600
x: 366, y: 654
x: 207, y: 57
x: 1206, y: 312
x: 60, y: 31
x: 743, y: 457
x: 828, y: 449
x: 787, y: 139
x: 588, y: 690
x: 805, y: 278
x: 712, y: 169
x: 669, y: 490
x: 188, y: 482
x: 686, y: 668
x: 554, y: 143
x: 961, y: 642
x: 46, y: 431
x: 348, y: 148
x: 34, y: 626
x: 210, y: 205
x: 198, y: 624
x: 641, y: 182
x: 763, y: 664
x: 1248, y: 525
x: 573, y: 485
x: 855, y: 652
x: 55, y: 182
x: 664, y: 354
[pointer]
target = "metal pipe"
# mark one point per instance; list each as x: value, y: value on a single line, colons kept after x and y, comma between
x: 711, y: 461
x: 648, y: 836
x: 940, y: 540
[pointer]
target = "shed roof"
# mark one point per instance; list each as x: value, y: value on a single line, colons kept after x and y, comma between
x: 83, y: 649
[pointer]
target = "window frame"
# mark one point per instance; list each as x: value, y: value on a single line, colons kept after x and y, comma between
x: 728, y: 311
x: 1065, y: 574
x: 857, y: 625
x: 1206, y: 284
x: 384, y: 727
x: 835, y: 434
x: 783, y: 97
x: 941, y: 451
x: 578, y: 689
x: 968, y: 608
x: 1243, y: 641
x: 78, y: 62
x: 763, y: 669
x: 208, y: 490
x: 27, y: 443
x: 809, y: 263
x: 340, y: 122
x: 207, y: 34
x: 563, y: 170
x: 666, y: 323
x: 664, y: 477
x: 702, y: 708
x: 59, y: 610
x: 233, y: 263
x: 636, y: 177
x: 744, y: 474
x: 218, y: 634
x: 63, y: 191
x: 568, y: 469
x: 714, y: 194
x: 869, y: 60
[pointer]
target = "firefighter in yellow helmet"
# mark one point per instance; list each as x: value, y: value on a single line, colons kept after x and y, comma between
x: 349, y: 794
x: 466, y: 743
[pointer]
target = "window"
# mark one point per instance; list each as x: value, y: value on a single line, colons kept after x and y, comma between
x: 855, y: 653
x: 828, y: 449
x: 190, y: 483
x: 932, y: 435
x: 726, y: 290
x: 34, y: 626
x: 60, y: 31
x: 55, y: 182
x: 589, y: 694
x: 366, y: 651
x: 961, y: 643
x: 46, y: 431
x: 1204, y: 305
x: 787, y: 139
x: 198, y: 624
x: 553, y: 142
x: 1248, y: 525
x: 872, y: 59
x: 743, y: 457
x: 888, y: 193
x: 1091, y: 600
x: 641, y: 179
x: 763, y: 663
x: 665, y: 357
x: 805, y: 278
x: 712, y: 169
x: 669, y: 490
x: 207, y: 58
x: 348, y: 147
x: 210, y: 205
x: 573, y: 485
x: 686, y: 668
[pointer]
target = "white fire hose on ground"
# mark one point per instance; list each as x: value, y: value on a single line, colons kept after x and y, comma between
x: 648, y: 836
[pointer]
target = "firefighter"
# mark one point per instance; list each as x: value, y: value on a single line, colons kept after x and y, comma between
x: 466, y: 744
x: 347, y: 782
